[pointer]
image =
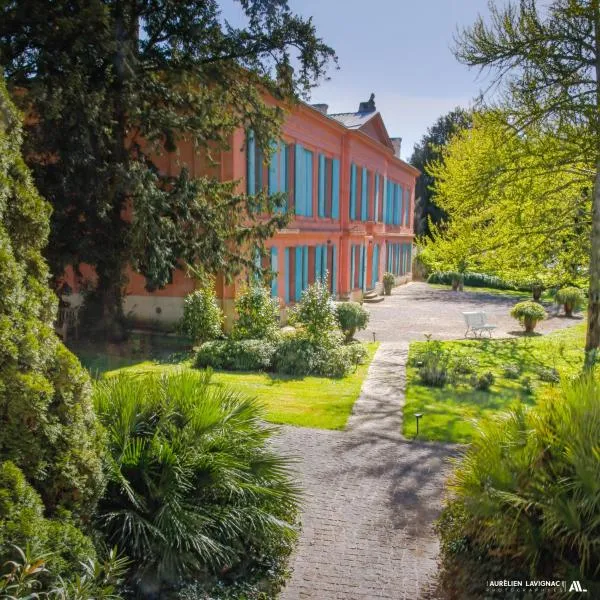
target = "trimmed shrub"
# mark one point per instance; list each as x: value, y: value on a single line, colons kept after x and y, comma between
x: 389, y: 279
x: 433, y: 365
x: 236, y: 355
x: 47, y: 423
x: 526, y: 495
x: 529, y: 314
x: 315, y: 312
x: 195, y: 488
x: 470, y: 279
x: 483, y: 382
x: 571, y: 298
x: 202, y: 317
x: 527, y: 384
x: 258, y: 314
x: 511, y: 370
x: 464, y: 365
x: 351, y: 317
x: 548, y: 374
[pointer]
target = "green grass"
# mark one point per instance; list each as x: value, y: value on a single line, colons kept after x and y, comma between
x: 448, y: 412
x: 318, y: 402
x: 495, y: 292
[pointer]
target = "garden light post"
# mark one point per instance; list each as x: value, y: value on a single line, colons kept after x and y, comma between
x: 417, y: 417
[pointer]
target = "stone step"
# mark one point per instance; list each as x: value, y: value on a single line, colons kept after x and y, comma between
x: 373, y: 299
x: 371, y: 294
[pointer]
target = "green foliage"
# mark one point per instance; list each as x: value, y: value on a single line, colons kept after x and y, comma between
x: 315, y: 313
x: 464, y: 365
x: 428, y: 150
x: 237, y: 355
x: 571, y: 298
x: 139, y: 79
x: 548, y: 374
x: 528, y: 314
x: 47, y: 424
x: 433, y: 364
x: 351, y: 317
x: 195, y: 489
x: 389, y: 279
x: 258, y: 314
x: 470, y: 279
x: 22, y: 524
x: 483, y: 382
x: 94, y: 579
x: 202, y: 316
x: 529, y: 486
x: 511, y: 370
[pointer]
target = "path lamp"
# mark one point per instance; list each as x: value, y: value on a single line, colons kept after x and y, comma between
x: 417, y: 417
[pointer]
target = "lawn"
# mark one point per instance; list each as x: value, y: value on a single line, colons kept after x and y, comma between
x: 517, y: 294
x: 318, y: 402
x: 448, y: 412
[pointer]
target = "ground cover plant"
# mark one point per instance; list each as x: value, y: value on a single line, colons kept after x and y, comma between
x: 521, y: 368
x: 525, y: 496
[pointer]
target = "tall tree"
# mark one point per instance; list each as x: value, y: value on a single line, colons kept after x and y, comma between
x: 513, y: 207
x: 547, y: 62
x: 109, y: 86
x: 427, y: 151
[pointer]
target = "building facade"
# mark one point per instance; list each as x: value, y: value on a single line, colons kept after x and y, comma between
x: 350, y: 197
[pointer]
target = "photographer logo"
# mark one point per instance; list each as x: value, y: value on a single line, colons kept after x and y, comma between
x: 576, y: 587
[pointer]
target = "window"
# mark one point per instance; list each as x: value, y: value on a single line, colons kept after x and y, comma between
x: 357, y: 266
x: 329, y: 187
x: 303, y: 188
x: 303, y: 265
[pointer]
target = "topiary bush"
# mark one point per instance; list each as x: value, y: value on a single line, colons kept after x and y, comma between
x: 529, y: 314
x: 236, y: 355
x: 389, y: 279
x: 470, y: 279
x: 571, y: 298
x: 258, y: 314
x: 202, y: 317
x: 351, y: 317
x: 195, y: 488
x: 47, y: 423
x: 525, y: 498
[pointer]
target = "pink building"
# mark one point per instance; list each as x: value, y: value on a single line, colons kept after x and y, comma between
x: 350, y: 194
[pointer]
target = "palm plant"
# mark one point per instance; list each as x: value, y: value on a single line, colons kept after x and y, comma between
x: 194, y: 486
x: 529, y: 486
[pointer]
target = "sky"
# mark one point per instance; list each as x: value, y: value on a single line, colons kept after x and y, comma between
x: 401, y: 51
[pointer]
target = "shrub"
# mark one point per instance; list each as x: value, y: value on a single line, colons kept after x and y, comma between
x: 22, y: 523
x: 528, y: 314
x: 571, y: 298
x: 389, y: 279
x: 511, y: 370
x: 548, y: 374
x: 464, y: 365
x: 315, y: 312
x: 434, y: 365
x: 47, y: 423
x: 202, y: 317
x: 470, y: 279
x: 483, y: 382
x: 351, y: 317
x: 236, y: 355
x: 258, y: 314
x: 528, y: 486
x: 194, y: 487
x: 527, y: 384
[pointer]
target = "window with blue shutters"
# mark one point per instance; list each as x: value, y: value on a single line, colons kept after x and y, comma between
x: 353, y: 192
x: 303, y: 174
x: 364, y: 205
x: 335, y: 187
x: 328, y: 187
x: 407, y: 207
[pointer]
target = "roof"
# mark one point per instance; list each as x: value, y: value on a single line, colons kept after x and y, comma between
x: 354, y: 120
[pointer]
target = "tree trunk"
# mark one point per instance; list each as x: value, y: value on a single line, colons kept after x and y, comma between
x: 592, y: 341
x: 537, y: 292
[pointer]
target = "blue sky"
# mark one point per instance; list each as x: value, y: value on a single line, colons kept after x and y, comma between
x: 397, y: 49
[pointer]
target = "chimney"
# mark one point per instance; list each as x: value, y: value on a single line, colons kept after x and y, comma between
x: 397, y: 143
x: 322, y: 108
x: 368, y: 106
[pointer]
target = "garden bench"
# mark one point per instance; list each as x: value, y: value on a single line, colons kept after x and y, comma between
x: 477, y: 324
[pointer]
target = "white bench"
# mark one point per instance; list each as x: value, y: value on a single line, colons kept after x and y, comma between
x: 477, y: 324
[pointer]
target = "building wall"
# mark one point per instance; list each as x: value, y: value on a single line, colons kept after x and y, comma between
x: 364, y: 242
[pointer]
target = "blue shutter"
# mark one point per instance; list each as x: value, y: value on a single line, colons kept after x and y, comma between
x: 250, y: 162
x: 304, y: 267
x: 299, y: 182
x: 374, y: 265
x: 334, y: 270
x: 335, y: 189
x: 409, y: 257
x: 286, y: 276
x: 318, y: 274
x: 361, y: 274
x: 384, y: 216
x: 299, y: 270
x: 376, y: 200
x: 364, y: 205
x: 324, y: 253
x: 275, y: 269
x: 353, y: 192
x: 407, y: 207
x: 401, y: 205
x: 352, y: 266
x: 274, y: 169
x: 397, y: 259
x: 321, y: 185
x: 308, y: 184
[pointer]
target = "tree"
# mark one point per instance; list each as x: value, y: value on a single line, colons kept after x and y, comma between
x: 110, y: 85
x: 47, y: 424
x: 548, y: 63
x: 507, y: 214
x: 427, y: 151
